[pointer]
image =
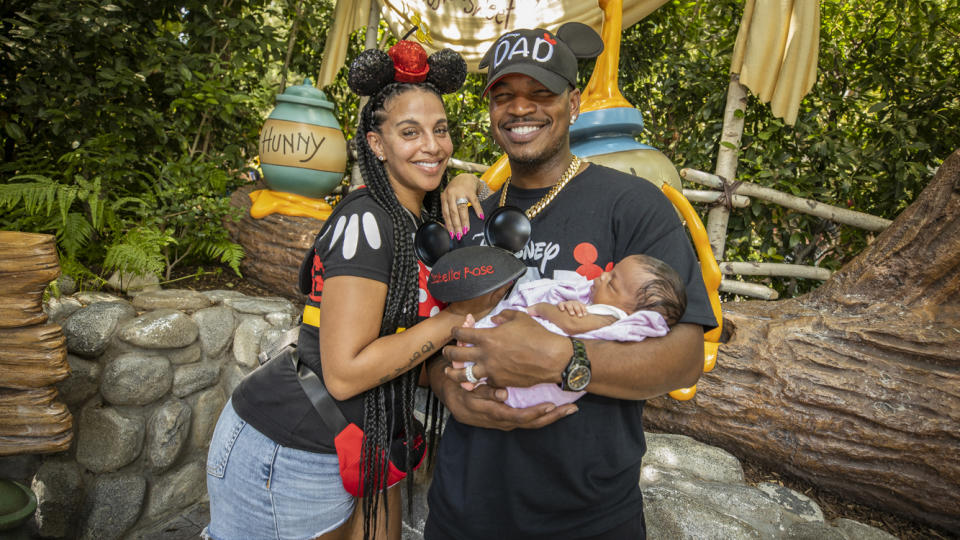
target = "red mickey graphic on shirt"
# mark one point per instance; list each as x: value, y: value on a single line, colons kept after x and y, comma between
x: 586, y: 254
x: 317, y: 291
x: 428, y: 305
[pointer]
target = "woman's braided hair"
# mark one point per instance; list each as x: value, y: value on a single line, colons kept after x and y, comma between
x: 384, y: 76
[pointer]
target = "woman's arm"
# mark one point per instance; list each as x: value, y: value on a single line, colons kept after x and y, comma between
x: 354, y: 358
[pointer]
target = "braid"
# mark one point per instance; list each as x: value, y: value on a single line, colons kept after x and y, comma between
x: 400, y: 310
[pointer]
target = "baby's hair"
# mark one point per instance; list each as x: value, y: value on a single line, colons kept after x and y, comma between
x: 665, y: 293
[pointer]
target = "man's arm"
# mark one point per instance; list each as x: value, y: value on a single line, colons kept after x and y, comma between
x: 520, y: 352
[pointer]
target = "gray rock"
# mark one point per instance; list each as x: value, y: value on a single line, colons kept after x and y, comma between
x: 261, y: 306
x: 58, y: 309
x: 676, y: 515
x: 67, y: 285
x: 206, y: 407
x: 246, y: 341
x: 176, y: 490
x: 92, y: 297
x: 58, y: 486
x: 167, y: 432
x: 231, y: 375
x: 219, y: 295
x: 83, y: 382
x: 113, y: 506
x: 854, y: 530
x: 130, y: 282
x: 281, y: 320
x: 798, y: 503
x: 270, y: 338
x: 160, y: 329
x: 191, y: 378
x: 136, y: 379
x: 90, y: 329
x: 19, y: 467
x: 181, y: 299
x: 185, y: 355
x: 685, y: 453
x: 216, y: 328
x: 107, y: 440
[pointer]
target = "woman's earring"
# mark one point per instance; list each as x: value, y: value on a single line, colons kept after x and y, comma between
x: 380, y: 158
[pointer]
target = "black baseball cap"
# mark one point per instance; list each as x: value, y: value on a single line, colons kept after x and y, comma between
x: 542, y: 55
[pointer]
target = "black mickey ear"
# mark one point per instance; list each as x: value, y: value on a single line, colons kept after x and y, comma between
x: 507, y: 227
x: 584, y: 41
x: 370, y: 71
x: 431, y: 242
x: 448, y: 70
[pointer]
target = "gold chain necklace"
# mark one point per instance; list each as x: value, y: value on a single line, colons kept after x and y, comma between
x: 548, y: 198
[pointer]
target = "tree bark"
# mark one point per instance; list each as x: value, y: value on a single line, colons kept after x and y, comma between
x: 854, y: 387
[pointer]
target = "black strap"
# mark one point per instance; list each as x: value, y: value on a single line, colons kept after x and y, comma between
x: 322, y: 401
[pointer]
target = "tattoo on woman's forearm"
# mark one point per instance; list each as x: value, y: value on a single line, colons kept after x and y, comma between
x: 425, y: 350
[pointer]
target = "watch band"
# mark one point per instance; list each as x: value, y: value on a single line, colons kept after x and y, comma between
x: 577, y: 374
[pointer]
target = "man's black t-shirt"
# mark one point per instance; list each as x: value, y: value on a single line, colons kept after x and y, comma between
x: 357, y: 240
x: 577, y: 477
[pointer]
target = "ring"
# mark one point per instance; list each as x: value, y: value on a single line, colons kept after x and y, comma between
x: 470, y: 377
x: 463, y: 200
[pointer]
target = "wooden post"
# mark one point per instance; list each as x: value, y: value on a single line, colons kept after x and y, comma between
x: 33, y: 353
x: 727, y: 156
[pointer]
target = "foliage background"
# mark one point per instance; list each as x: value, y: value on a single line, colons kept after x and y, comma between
x: 133, y: 121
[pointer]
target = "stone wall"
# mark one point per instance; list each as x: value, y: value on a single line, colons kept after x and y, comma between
x: 148, y: 380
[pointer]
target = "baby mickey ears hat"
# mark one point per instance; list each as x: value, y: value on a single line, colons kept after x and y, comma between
x: 549, y: 58
x: 468, y: 272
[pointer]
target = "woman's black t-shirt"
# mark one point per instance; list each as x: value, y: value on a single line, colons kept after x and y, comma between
x: 357, y: 240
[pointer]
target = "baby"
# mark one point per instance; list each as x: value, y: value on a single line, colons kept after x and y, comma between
x: 640, y: 297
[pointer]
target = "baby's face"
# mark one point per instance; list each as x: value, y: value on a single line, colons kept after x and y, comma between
x: 619, y: 286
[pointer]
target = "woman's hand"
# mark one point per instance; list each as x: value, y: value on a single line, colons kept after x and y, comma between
x: 481, y: 305
x: 456, y: 217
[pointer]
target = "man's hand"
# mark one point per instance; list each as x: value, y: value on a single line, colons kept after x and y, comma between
x: 518, y: 352
x: 484, y: 407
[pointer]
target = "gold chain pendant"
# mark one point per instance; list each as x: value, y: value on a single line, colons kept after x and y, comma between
x: 548, y: 198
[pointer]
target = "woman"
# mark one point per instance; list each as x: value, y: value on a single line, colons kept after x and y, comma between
x: 272, y: 468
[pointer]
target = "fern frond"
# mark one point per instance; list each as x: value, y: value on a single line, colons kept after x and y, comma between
x: 37, y: 197
x: 75, y: 233
x: 228, y: 252
x: 140, y: 252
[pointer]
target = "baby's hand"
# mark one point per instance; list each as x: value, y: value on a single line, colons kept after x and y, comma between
x: 572, y: 307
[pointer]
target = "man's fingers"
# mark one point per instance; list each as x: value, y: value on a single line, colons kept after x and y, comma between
x: 507, y: 315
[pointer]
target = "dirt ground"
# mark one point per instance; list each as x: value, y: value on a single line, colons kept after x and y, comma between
x: 833, y: 506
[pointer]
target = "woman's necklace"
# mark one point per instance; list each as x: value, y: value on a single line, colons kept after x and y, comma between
x: 548, y: 198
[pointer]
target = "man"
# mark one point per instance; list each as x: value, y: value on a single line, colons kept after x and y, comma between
x: 569, y: 471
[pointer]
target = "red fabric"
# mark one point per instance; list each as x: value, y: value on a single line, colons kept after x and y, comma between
x: 409, y: 62
x: 349, y: 444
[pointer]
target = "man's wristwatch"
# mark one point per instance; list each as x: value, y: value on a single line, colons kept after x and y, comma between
x: 576, y: 376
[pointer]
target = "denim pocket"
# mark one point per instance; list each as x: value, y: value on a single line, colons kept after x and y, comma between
x: 221, y: 444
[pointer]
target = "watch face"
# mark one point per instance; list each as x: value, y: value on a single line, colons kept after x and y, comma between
x: 579, y: 378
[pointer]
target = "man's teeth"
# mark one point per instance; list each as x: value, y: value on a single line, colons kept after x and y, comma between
x: 523, y: 130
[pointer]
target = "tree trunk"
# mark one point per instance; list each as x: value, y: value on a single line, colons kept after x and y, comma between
x: 854, y: 387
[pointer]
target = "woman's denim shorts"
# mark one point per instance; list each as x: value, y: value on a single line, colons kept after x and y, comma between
x: 261, y: 490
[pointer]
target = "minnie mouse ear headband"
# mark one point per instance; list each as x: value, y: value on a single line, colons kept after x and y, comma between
x: 406, y: 62
x: 461, y: 274
x: 549, y: 58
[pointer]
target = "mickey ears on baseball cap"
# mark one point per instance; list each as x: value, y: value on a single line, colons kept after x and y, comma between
x: 583, y: 40
x: 506, y: 227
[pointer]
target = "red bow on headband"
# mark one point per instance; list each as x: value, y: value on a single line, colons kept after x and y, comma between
x: 409, y: 62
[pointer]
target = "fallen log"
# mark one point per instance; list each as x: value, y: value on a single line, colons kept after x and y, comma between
x: 854, y: 387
